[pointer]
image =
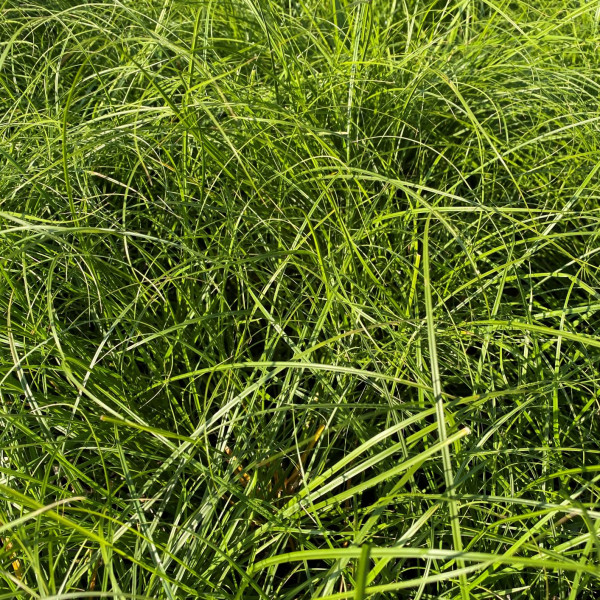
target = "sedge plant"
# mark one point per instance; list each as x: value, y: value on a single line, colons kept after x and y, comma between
x: 299, y: 299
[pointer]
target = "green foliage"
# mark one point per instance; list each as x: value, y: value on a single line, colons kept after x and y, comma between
x: 299, y: 299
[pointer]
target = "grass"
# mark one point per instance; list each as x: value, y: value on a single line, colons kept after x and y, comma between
x: 300, y: 299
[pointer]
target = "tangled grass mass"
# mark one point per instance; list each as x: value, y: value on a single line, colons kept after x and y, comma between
x: 300, y: 299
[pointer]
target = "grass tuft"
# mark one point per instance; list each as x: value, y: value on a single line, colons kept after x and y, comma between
x: 299, y: 299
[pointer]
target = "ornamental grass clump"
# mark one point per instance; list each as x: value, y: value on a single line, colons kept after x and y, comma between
x: 299, y: 300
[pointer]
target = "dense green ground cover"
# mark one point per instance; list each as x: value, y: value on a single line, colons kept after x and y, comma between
x: 299, y: 299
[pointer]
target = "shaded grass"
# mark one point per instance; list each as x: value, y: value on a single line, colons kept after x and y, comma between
x: 300, y: 299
